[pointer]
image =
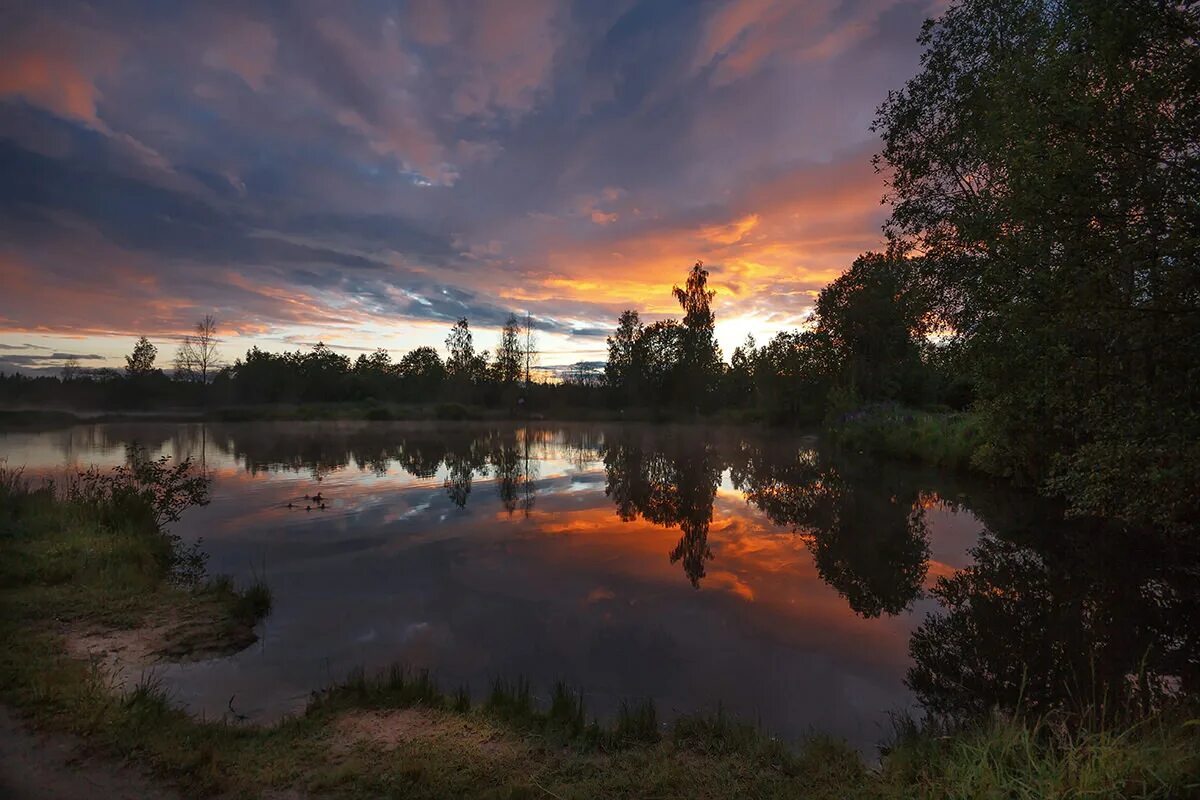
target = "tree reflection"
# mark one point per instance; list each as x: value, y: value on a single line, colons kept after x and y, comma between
x: 514, y: 472
x: 671, y: 486
x: 868, y: 537
x: 1083, y: 617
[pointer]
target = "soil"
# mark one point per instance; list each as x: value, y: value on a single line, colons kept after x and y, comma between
x: 51, y: 766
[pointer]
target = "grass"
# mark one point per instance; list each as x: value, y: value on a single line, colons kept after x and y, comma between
x: 945, y: 439
x: 68, y: 558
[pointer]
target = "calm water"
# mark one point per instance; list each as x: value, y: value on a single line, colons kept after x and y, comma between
x: 689, y: 565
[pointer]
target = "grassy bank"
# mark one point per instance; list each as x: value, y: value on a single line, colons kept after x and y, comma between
x: 92, y: 555
x: 941, y: 439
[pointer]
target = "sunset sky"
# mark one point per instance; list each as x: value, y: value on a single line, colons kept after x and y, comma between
x: 365, y: 173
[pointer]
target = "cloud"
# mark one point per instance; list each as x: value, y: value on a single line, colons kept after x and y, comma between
x: 367, y: 174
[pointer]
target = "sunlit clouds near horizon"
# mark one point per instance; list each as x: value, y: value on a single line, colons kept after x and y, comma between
x: 365, y: 174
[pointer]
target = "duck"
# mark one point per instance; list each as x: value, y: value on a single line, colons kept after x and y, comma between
x: 317, y: 497
x: 308, y: 508
x: 291, y: 505
x: 322, y: 506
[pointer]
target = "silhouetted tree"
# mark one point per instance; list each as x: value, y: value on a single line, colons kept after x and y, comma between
x: 529, y: 348
x: 464, y: 367
x: 197, y: 358
x: 140, y: 362
x: 793, y: 374
x: 70, y: 369
x: 700, y: 363
x: 510, y: 360
x: 626, y: 362
x: 875, y: 319
x: 421, y: 372
x: 1046, y: 163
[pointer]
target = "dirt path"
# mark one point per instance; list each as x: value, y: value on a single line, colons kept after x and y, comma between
x: 40, y: 766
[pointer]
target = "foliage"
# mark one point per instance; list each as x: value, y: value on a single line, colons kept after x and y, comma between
x: 1045, y: 163
x: 141, y: 361
x: 626, y: 359
x: 950, y: 440
x: 699, y: 362
x: 509, y: 365
x: 874, y: 320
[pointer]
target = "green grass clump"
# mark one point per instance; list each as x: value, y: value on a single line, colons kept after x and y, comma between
x: 1051, y: 756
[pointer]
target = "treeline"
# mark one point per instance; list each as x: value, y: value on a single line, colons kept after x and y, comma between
x: 867, y: 342
x: 319, y: 374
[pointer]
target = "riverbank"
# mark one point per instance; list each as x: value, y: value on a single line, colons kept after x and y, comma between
x: 93, y: 587
x: 38, y: 419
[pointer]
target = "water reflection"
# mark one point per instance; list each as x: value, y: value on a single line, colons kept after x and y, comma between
x: 867, y: 531
x: 1082, y: 617
x: 800, y: 587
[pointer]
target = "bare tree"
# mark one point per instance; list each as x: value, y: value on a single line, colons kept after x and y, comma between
x: 530, y: 348
x: 197, y: 358
x: 71, y: 369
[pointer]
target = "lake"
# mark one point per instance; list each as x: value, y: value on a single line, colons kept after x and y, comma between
x: 697, y: 566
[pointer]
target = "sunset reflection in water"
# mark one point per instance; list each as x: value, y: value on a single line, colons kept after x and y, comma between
x: 692, y: 566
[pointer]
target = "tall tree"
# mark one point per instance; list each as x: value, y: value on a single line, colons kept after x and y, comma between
x: 510, y: 360
x: 197, y: 358
x: 461, y: 347
x: 1046, y: 161
x: 623, y: 371
x: 464, y: 366
x: 140, y: 362
x: 700, y: 366
x: 529, y: 348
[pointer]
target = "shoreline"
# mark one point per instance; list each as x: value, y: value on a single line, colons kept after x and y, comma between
x: 71, y: 565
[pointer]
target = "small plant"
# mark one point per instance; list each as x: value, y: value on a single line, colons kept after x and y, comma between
x: 510, y: 701
x: 567, y: 710
x: 637, y: 723
x: 462, y: 700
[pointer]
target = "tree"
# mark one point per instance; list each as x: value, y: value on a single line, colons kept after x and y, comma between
x: 529, y: 348
x: 700, y: 367
x: 1046, y: 163
x: 140, y: 362
x: 421, y: 373
x: 623, y: 371
x: 197, y: 358
x: 661, y: 350
x: 464, y: 367
x: 510, y: 360
x: 71, y: 369
x: 793, y: 374
x: 876, y: 319
x: 739, y: 380
x: 375, y: 374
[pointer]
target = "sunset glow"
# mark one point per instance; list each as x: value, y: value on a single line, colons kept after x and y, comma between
x: 366, y: 177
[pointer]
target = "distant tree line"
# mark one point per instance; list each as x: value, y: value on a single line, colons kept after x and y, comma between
x: 867, y: 341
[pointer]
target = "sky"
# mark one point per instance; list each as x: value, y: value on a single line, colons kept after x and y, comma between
x: 364, y: 174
